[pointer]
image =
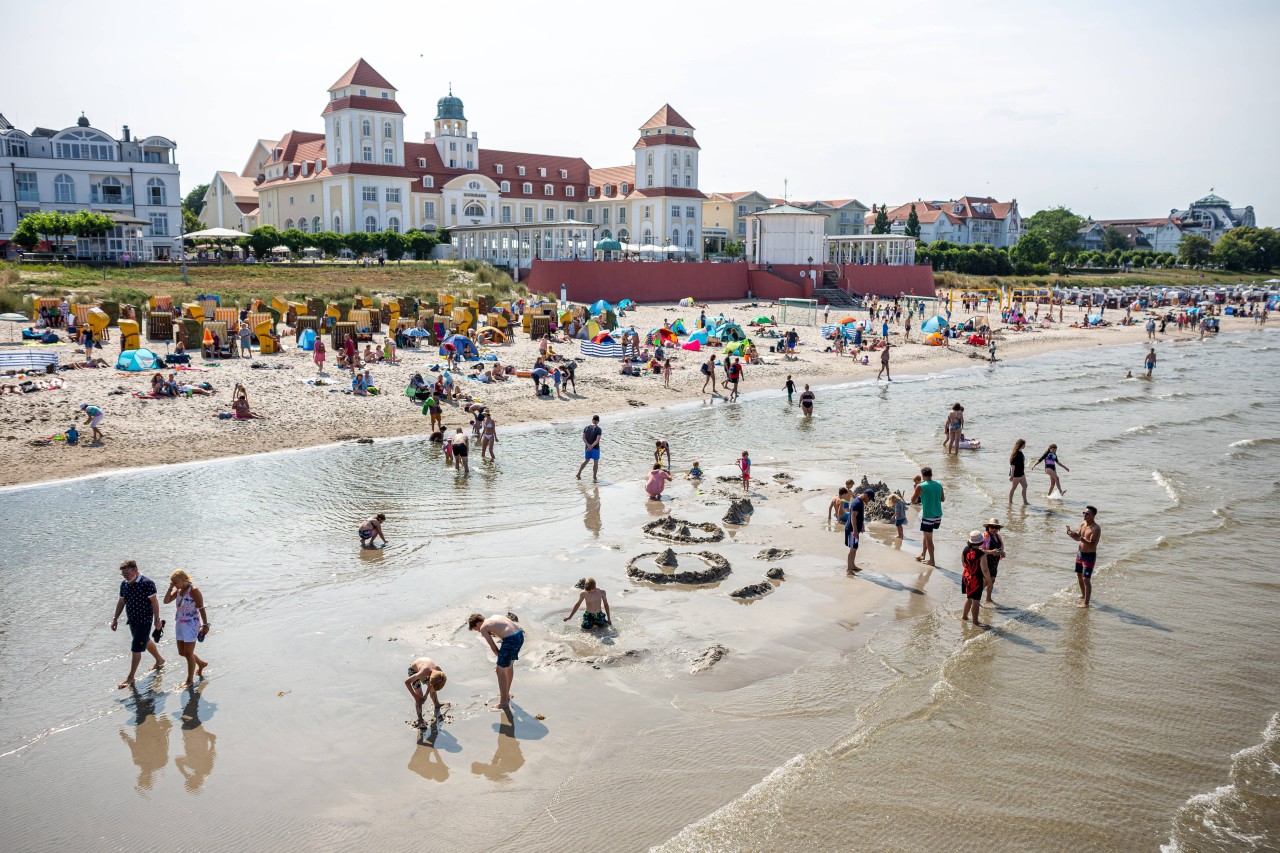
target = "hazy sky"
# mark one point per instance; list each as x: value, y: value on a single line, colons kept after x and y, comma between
x: 1113, y: 109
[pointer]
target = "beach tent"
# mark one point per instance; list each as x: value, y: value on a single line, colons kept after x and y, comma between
x: 731, y: 332
x: 934, y: 339
x: 934, y: 324
x: 687, y: 302
x: 762, y: 321
x: 600, y: 306
x: 307, y: 340
x: 1095, y: 319
x: 661, y: 336
x: 700, y: 336
x: 492, y: 334
x: 462, y: 345
x: 692, y: 346
x: 678, y: 327
x: 627, y: 304
x: 844, y: 320
x: 602, y: 338
x: 138, y: 360
x: 737, y: 347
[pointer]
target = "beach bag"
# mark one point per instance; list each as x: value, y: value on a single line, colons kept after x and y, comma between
x: 705, y: 370
x: 545, y: 390
x: 971, y: 581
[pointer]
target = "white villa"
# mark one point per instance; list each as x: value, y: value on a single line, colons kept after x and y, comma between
x: 966, y: 220
x: 133, y: 180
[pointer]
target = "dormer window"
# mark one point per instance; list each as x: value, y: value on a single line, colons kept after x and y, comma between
x: 591, y: 192
x: 291, y: 170
x: 548, y: 189
x: 363, y: 93
x: 526, y: 188
x: 386, y: 96
x: 608, y: 189
x: 568, y: 191
x: 428, y: 182
x: 422, y: 162
x: 564, y: 174
x: 542, y: 172
x: 626, y: 188
x: 521, y: 169
x: 498, y: 168
x: 505, y: 186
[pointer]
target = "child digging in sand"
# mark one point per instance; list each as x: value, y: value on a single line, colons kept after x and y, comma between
x: 595, y: 606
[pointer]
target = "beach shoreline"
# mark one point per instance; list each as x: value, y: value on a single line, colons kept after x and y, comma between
x: 142, y: 433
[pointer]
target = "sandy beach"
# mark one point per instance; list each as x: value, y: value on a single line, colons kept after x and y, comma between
x: 141, y: 432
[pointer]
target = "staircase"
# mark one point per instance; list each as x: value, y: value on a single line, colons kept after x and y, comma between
x: 835, y: 297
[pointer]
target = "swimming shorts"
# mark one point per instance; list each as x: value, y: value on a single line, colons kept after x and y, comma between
x: 365, y: 534
x: 851, y: 540
x: 593, y: 620
x: 460, y: 450
x: 593, y: 453
x: 928, y: 525
x: 1085, y: 563
x: 509, y: 651
x: 900, y: 520
x: 141, y: 632
x: 1151, y: 365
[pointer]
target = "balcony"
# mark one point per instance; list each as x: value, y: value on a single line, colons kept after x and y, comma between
x: 108, y: 196
x: 29, y: 195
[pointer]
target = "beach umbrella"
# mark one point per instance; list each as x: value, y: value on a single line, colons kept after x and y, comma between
x: 12, y: 318
x: 762, y: 320
x: 418, y: 333
x: 847, y: 320
x: 600, y: 306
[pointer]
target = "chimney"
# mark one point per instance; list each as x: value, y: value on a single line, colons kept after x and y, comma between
x: 126, y: 133
x: 426, y: 137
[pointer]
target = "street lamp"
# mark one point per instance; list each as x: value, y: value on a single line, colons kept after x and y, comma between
x: 182, y: 253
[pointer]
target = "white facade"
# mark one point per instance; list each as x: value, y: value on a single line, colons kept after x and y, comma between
x: 786, y: 235
x: 83, y: 168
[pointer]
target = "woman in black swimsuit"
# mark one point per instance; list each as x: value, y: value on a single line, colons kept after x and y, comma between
x: 1018, y: 470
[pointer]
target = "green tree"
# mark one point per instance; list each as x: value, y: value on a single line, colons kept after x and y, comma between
x: 262, y: 240
x: 442, y: 236
x: 1058, y: 226
x: 421, y: 243
x: 1194, y: 250
x: 882, y: 221
x: 86, y: 223
x: 1248, y: 248
x: 294, y: 239
x: 329, y: 242
x: 394, y: 245
x: 51, y: 225
x: 1114, y: 238
x: 194, y: 201
x: 913, y: 223
x: 358, y: 242
x: 1031, y: 248
x: 191, y: 222
x: 26, y: 235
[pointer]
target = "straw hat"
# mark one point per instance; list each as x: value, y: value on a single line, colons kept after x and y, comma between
x: 975, y: 537
x: 995, y: 522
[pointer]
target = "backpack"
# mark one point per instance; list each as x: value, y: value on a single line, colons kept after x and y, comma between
x: 706, y: 371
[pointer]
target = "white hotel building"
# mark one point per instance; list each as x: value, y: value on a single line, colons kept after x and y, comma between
x: 135, y: 181
x: 363, y: 174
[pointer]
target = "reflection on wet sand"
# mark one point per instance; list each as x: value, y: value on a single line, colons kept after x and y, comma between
x: 198, y: 743
x: 426, y: 760
x: 507, y: 758
x: 149, y: 744
x: 591, y: 519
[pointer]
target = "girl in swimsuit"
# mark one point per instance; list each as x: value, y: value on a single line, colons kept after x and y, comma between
x: 953, y: 428
x: 488, y: 436
x: 1051, y: 463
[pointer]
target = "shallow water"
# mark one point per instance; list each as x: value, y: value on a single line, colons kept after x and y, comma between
x: 1117, y: 728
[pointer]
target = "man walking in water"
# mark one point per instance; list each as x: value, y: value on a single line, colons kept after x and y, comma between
x: 591, y: 438
x: 884, y: 362
x: 512, y: 638
x: 931, y: 496
x: 1151, y: 361
x: 138, y: 598
x: 1087, y: 557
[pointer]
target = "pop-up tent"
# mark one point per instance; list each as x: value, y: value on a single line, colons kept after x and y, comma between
x: 138, y: 360
x: 307, y: 340
x: 599, y: 307
x: 661, y: 336
x: 730, y: 332
x: 737, y: 347
x: 461, y: 344
x: 762, y: 321
x: 627, y: 304
x: 700, y: 336
x: 602, y: 338
x: 934, y: 324
x: 678, y: 327
x: 687, y: 302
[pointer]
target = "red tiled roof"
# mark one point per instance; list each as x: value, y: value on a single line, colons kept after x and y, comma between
x: 1149, y: 223
x: 664, y: 192
x: 288, y: 145
x: 616, y: 176
x: 363, y: 102
x: 666, y: 117
x: 666, y: 139
x: 248, y: 208
x: 362, y: 74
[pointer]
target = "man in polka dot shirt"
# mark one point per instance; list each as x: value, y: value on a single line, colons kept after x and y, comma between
x: 138, y: 600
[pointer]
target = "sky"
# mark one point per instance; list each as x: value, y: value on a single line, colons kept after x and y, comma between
x: 1115, y: 110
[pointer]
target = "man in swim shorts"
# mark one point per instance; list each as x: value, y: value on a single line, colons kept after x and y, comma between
x: 930, y: 494
x: 1151, y: 361
x: 371, y: 530
x: 512, y: 638
x: 426, y: 679
x: 591, y: 438
x: 1087, y: 557
x: 595, y: 606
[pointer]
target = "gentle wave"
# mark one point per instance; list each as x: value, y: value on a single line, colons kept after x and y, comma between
x: 1240, y: 815
x: 1256, y: 442
x: 1170, y: 489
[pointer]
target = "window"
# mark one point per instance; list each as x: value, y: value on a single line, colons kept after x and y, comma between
x: 315, y: 224
x: 528, y: 214
x: 85, y: 145
x: 159, y: 224
x: 570, y: 213
x: 367, y: 154
x: 370, y: 225
x: 64, y: 189
x: 337, y: 131
x: 689, y: 242
x: 470, y: 148
x: 604, y: 216
x: 590, y: 217
x: 542, y: 171
x: 393, y: 194
x: 742, y: 229
x: 608, y: 189
x: 428, y: 182
x: 528, y: 188
x: 675, y: 236
x: 14, y: 147
x: 549, y: 214
x: 369, y: 193
x: 548, y: 189
x: 422, y: 162
x: 453, y: 209
x: 337, y: 222
x: 474, y: 210
x: 505, y: 186
x: 429, y: 211
x: 688, y: 161
x: 393, y: 224
x: 591, y: 192
x: 363, y: 92
x: 386, y: 96
x: 564, y: 174
x: 649, y: 180
x: 453, y: 146
x: 387, y: 132
x: 624, y: 235
x: 388, y: 156
x: 366, y: 128
x: 568, y: 191
x: 626, y: 188
x: 649, y: 160
x: 622, y: 216
x: 688, y: 212
x: 313, y: 198
x: 675, y: 211
x: 742, y: 210
x: 506, y: 214
x: 156, y: 193
x: 521, y: 169
x: 473, y: 185
x: 688, y: 180
x: 498, y: 168
x: 288, y: 224
x: 648, y: 212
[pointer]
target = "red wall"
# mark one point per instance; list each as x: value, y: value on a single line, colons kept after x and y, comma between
x: 667, y: 281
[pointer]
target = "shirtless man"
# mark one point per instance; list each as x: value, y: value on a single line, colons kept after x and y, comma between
x: 595, y: 606
x: 512, y: 638
x: 1151, y: 361
x: 426, y: 680
x: 884, y: 362
x: 1087, y: 557
x: 371, y: 530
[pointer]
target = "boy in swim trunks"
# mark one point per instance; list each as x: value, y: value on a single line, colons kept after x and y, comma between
x: 595, y: 606
x: 426, y: 679
x: 512, y: 638
x: 371, y: 530
x: 1087, y: 557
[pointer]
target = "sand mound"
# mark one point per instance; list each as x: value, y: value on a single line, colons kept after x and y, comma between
x: 755, y: 590
x: 708, y: 658
x: 667, y: 559
x: 717, y: 568
x: 674, y: 529
x: 771, y: 554
x: 738, y: 512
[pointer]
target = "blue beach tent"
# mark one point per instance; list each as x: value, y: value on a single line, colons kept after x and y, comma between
x: 464, y: 346
x: 138, y: 360
x: 934, y: 324
x: 599, y: 307
x: 307, y: 340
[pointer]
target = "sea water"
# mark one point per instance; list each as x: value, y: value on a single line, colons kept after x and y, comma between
x: 1147, y: 720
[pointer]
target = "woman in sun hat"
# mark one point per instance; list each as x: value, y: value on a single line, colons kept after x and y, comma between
x: 993, y: 547
x: 975, y: 577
